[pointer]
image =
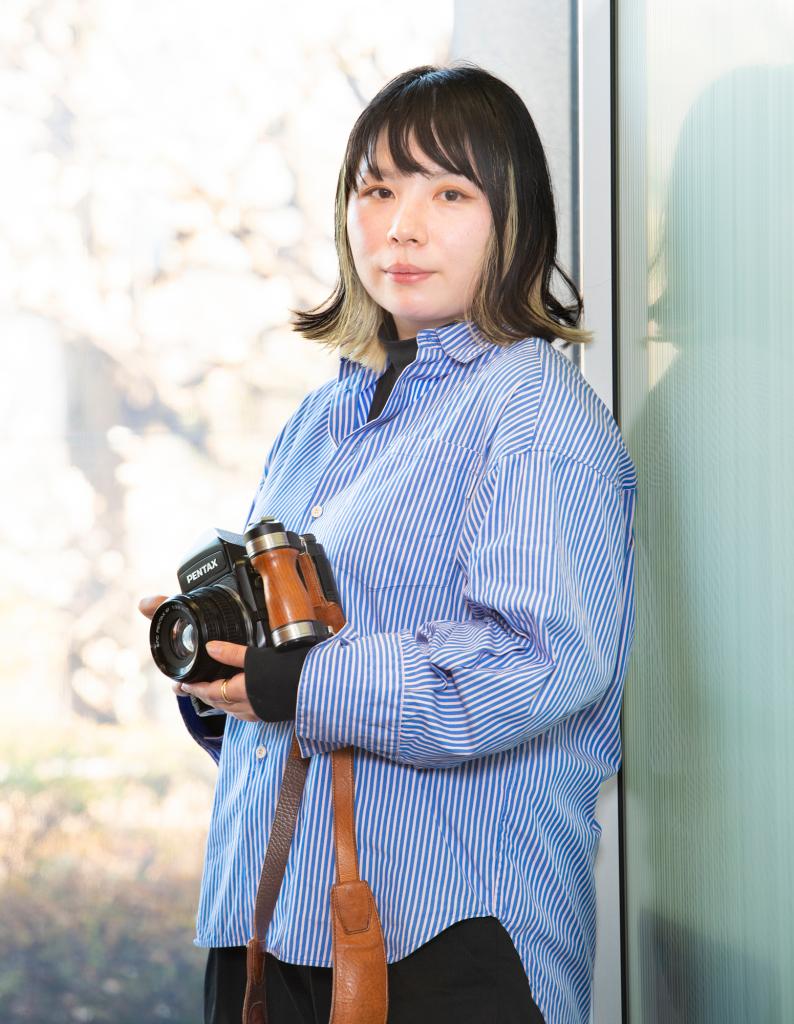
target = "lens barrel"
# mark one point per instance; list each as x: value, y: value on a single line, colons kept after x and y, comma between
x: 183, y: 625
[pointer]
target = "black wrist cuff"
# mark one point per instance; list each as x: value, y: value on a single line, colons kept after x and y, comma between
x: 271, y: 681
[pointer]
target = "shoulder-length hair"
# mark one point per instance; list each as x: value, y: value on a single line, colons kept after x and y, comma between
x: 471, y: 123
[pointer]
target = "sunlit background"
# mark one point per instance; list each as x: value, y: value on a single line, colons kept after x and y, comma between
x: 167, y: 175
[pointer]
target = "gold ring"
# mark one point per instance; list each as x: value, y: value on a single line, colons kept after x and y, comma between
x: 224, y: 684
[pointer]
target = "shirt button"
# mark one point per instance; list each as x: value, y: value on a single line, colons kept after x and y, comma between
x: 260, y: 752
x: 317, y: 511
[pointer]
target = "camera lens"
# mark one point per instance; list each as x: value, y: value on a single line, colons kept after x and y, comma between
x: 183, y: 625
x: 183, y: 638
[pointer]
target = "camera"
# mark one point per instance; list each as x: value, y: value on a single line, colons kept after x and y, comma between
x: 268, y: 587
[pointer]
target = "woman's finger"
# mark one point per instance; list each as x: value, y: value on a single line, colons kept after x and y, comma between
x: 216, y: 693
x: 148, y: 605
x: 226, y: 653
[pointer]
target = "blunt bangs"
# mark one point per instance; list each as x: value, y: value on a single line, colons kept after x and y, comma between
x: 441, y: 134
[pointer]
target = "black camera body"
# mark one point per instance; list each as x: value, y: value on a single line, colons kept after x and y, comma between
x: 223, y: 598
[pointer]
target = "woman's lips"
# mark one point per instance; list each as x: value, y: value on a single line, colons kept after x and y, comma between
x: 408, y: 277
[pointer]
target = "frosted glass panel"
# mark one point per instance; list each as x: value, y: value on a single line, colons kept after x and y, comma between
x: 706, y: 355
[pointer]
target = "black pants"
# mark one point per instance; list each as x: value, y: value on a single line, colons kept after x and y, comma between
x: 468, y: 974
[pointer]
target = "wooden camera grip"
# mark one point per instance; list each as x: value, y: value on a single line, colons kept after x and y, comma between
x: 285, y: 596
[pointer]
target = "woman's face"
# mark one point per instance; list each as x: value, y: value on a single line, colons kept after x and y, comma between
x: 418, y: 243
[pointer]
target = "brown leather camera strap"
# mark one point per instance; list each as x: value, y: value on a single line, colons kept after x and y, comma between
x: 360, y: 992
x: 360, y: 983
x: 289, y: 798
x: 360, y: 980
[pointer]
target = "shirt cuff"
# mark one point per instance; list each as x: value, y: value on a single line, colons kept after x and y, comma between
x: 351, y: 693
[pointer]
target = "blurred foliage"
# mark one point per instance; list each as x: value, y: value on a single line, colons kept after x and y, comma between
x: 101, y: 838
x: 84, y: 948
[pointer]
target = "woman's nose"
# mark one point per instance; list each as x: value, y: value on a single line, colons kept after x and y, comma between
x: 407, y: 225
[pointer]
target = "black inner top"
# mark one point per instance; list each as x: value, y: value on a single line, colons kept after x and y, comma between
x: 400, y: 353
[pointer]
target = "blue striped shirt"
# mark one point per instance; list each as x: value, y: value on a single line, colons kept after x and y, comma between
x: 480, y: 531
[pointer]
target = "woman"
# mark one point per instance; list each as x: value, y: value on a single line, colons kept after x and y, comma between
x: 475, y: 500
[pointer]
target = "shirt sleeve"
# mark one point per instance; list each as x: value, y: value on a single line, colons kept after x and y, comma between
x: 207, y: 732
x: 549, y: 585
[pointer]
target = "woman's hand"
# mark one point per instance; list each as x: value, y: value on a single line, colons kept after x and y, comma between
x: 236, y: 702
x: 231, y: 697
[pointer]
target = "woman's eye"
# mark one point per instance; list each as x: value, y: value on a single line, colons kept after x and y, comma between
x: 381, y: 192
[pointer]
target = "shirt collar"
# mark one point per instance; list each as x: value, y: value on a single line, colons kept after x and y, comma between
x: 461, y: 341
